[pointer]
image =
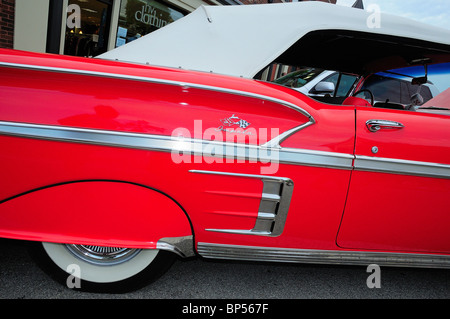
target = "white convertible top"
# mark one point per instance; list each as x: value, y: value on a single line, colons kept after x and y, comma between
x: 242, y: 40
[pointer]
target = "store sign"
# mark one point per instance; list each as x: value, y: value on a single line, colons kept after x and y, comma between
x: 149, y: 15
x: 140, y: 17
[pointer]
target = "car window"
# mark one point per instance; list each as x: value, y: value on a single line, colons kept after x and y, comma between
x: 383, y: 89
x: 299, y: 78
x: 345, y: 84
x: 426, y: 93
x: 405, y: 94
x: 332, y: 78
x: 423, y: 90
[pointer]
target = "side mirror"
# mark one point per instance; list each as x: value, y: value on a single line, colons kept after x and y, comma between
x: 324, y: 87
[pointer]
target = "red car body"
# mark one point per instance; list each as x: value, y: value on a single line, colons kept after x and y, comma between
x: 69, y: 189
x: 113, y: 154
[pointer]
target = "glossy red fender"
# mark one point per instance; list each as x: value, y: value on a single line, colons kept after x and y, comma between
x: 94, y: 212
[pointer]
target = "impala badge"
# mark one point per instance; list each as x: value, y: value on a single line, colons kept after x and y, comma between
x: 235, y: 120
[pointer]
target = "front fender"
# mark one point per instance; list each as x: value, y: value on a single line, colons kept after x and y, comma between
x: 103, y: 213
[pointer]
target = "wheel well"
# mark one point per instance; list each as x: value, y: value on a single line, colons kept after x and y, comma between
x: 74, y: 212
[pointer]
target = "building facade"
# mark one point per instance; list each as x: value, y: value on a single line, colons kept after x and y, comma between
x: 91, y: 27
x: 7, y: 10
x: 86, y: 27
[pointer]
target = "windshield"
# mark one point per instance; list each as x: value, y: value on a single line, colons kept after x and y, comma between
x: 299, y: 78
x: 397, y: 86
x: 438, y: 74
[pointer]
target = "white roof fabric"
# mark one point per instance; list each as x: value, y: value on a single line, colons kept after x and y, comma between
x: 241, y: 40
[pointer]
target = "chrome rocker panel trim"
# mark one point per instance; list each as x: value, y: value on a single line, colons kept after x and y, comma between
x: 289, y: 255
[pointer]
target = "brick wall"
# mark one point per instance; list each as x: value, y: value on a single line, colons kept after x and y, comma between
x: 7, y: 23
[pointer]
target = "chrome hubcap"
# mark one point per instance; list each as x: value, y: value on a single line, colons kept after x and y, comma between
x: 103, y: 256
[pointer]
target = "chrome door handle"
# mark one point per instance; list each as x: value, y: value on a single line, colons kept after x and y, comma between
x: 376, y: 125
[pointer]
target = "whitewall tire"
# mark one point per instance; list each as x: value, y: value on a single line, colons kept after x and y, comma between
x: 102, y: 269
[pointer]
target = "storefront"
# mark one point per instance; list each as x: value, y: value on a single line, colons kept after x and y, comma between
x: 92, y: 27
x: 138, y: 18
x: 104, y: 24
x: 102, y: 28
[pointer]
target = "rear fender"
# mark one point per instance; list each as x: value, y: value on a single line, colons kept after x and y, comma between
x: 103, y: 213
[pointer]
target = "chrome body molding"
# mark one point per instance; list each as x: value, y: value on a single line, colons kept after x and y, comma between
x: 404, y: 167
x: 181, y: 246
x: 273, y: 208
x: 164, y: 143
x: 173, y: 83
x: 223, y: 150
x: 296, y: 156
x: 275, y: 142
x: 342, y: 257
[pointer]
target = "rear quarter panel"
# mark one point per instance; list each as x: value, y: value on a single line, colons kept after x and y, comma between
x: 62, y: 92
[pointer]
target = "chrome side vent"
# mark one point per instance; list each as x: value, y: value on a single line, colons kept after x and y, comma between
x: 273, y: 208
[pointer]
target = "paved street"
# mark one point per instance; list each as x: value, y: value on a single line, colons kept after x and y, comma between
x: 20, y: 278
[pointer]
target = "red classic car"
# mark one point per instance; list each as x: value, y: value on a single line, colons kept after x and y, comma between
x: 114, y: 168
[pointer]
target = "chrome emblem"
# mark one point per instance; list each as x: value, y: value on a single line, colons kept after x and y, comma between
x: 235, y: 120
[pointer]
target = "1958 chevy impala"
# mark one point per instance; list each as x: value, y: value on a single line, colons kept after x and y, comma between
x: 168, y: 147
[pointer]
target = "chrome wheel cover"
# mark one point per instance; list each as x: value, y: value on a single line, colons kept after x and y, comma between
x: 102, y: 256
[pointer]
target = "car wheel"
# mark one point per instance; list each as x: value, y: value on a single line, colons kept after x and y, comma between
x: 101, y: 269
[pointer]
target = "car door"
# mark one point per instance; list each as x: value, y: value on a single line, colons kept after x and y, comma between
x: 399, y: 195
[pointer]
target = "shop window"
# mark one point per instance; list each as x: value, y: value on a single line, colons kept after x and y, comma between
x: 90, y: 37
x: 140, y: 17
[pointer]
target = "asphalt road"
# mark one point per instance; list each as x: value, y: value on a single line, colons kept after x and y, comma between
x: 198, y: 278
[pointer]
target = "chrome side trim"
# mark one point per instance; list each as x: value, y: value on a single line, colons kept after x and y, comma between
x: 225, y: 150
x: 87, y: 136
x: 173, y: 144
x: 276, y: 141
x: 273, y: 208
x: 171, y: 82
x: 263, y: 254
x: 182, y: 246
x: 315, y: 158
x: 240, y: 175
x: 404, y: 167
